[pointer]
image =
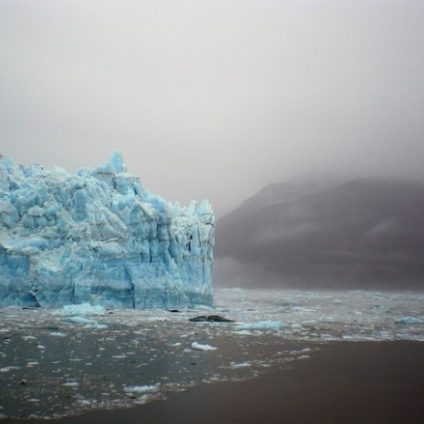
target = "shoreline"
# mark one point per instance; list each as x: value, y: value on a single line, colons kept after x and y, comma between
x: 349, y: 382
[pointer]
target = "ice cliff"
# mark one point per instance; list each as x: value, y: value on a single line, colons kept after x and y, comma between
x: 98, y: 236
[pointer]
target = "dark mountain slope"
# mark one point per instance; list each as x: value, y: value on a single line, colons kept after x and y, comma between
x: 365, y: 233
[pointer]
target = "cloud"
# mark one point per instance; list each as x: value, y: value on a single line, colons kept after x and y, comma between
x: 214, y: 99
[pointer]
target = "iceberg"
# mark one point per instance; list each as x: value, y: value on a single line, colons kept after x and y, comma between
x: 98, y: 237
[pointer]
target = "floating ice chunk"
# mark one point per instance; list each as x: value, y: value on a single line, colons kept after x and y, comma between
x: 9, y: 368
x: 81, y: 309
x: 261, y: 325
x: 141, y: 389
x: 73, y: 314
x: 81, y: 320
x: 87, y: 323
x: 240, y: 365
x: 301, y: 351
x: 199, y: 346
x: 57, y: 334
x: 408, y: 320
x: 349, y: 337
x: 72, y: 383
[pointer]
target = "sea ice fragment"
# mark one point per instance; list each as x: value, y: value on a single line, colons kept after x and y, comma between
x: 260, y: 325
x: 141, y: 389
x: 199, y: 346
x: 408, y: 320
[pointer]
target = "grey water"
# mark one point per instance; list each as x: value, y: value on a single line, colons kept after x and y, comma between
x: 61, y: 362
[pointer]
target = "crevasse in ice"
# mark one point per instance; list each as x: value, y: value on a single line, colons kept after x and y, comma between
x: 98, y: 236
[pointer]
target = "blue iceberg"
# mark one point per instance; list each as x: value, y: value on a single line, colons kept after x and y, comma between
x: 98, y: 236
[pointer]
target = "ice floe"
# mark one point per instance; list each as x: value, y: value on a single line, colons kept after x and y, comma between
x: 200, y: 346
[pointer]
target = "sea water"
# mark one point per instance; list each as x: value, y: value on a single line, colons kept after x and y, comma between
x: 58, y: 362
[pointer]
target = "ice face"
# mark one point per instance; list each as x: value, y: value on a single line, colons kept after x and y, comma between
x: 98, y: 236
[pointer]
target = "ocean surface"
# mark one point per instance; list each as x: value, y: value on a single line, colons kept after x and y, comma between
x: 60, y: 362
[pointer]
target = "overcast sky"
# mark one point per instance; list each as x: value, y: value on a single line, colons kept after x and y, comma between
x: 214, y: 99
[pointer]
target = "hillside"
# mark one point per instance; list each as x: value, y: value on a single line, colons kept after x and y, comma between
x: 367, y: 233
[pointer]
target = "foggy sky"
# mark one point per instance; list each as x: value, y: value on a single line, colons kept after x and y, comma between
x: 214, y: 99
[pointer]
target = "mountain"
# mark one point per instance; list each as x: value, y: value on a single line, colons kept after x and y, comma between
x: 366, y: 233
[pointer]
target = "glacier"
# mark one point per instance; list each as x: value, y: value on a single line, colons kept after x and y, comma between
x: 98, y: 237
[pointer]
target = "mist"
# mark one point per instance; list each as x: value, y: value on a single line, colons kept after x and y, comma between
x: 214, y: 99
